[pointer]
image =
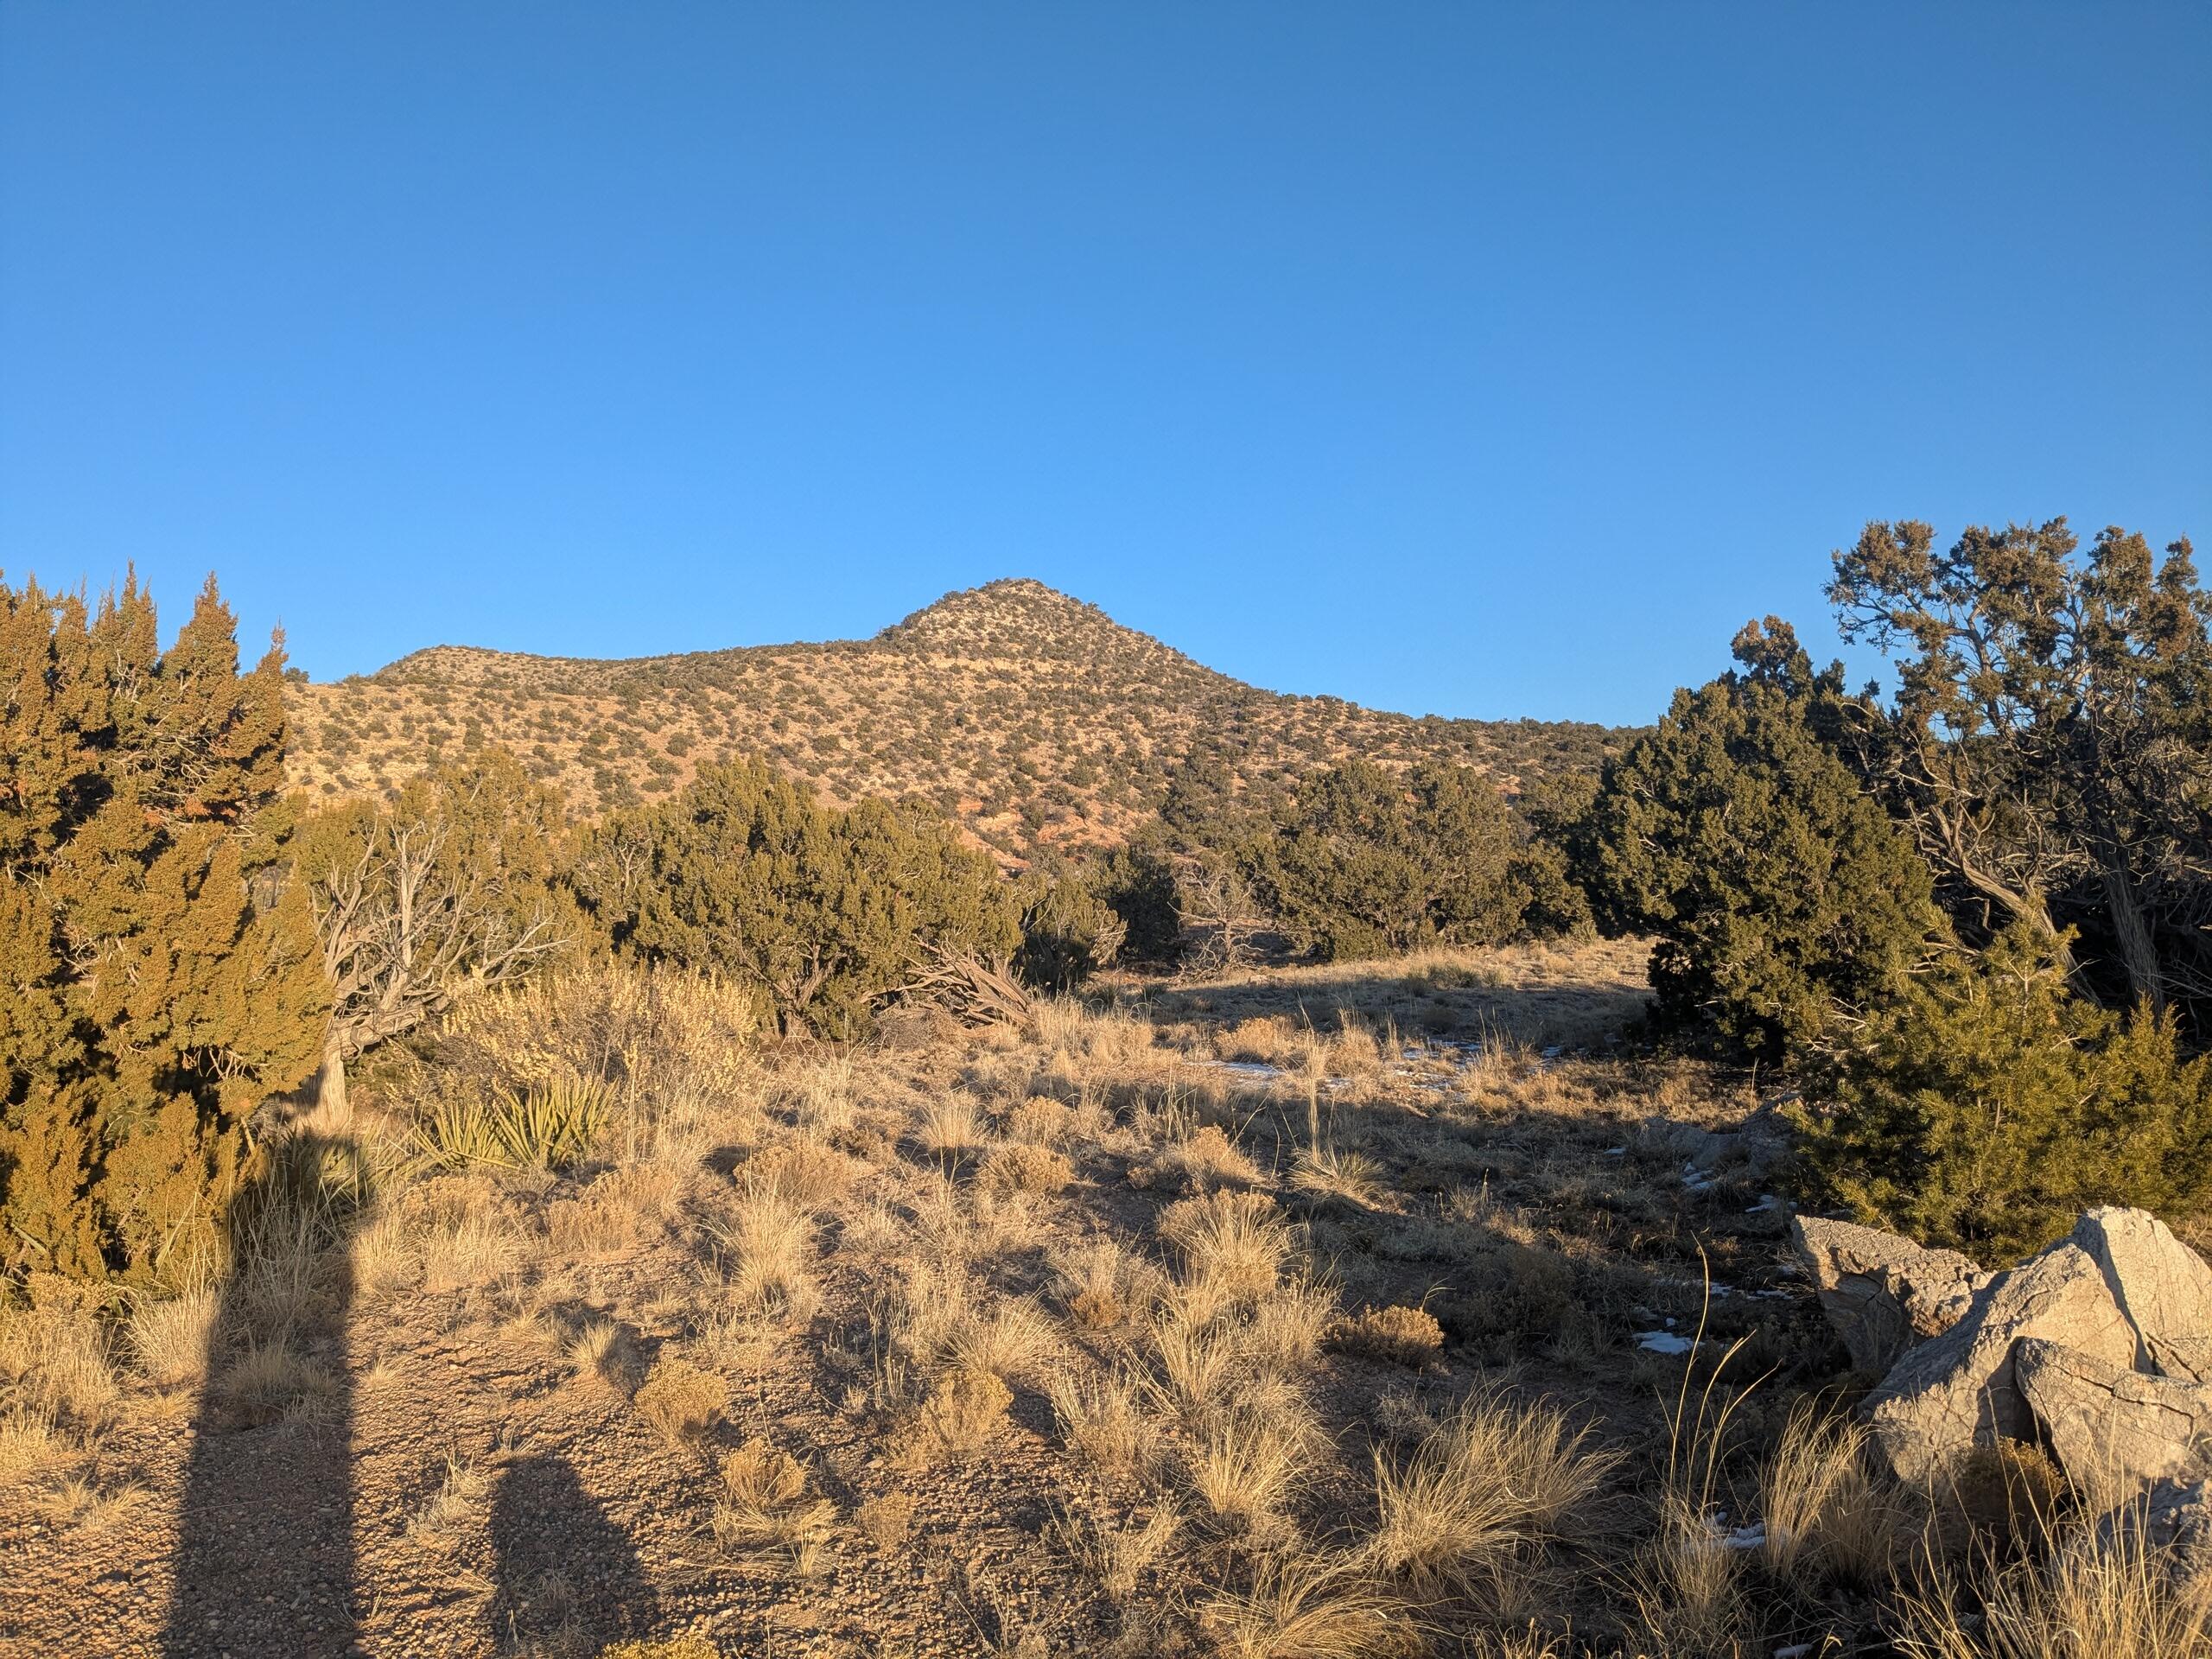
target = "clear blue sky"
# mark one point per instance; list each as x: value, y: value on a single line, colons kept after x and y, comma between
x: 1485, y: 359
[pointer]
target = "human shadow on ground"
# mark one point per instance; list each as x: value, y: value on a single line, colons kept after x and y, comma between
x: 264, y: 1554
x: 564, y: 1569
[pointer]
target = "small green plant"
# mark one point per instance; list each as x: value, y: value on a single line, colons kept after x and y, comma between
x: 550, y: 1127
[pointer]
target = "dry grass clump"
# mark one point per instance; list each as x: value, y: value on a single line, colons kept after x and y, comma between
x: 607, y: 1217
x: 1245, y: 1463
x: 810, y: 1174
x: 767, y: 1244
x: 1284, y: 1334
x: 1304, y: 1606
x: 1105, y: 1037
x: 1118, y: 1554
x: 2078, y: 1597
x: 765, y: 1505
x: 885, y: 1521
x: 1101, y: 1284
x: 1025, y: 1167
x: 1204, y: 1157
x: 963, y: 1412
x: 1491, y: 1474
x: 678, y: 1647
x: 168, y: 1336
x: 269, y: 1381
x: 948, y: 1127
x: 1231, y: 1245
x: 821, y: 1096
x: 681, y: 1401
x: 1828, y: 1519
x: 1041, y: 1121
x: 57, y: 1387
x: 595, y: 1350
x: 1102, y: 1417
x: 1397, y: 1336
x: 448, y: 1509
x: 1014, y: 1340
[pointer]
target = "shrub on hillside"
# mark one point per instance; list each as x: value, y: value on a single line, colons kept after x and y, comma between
x: 1365, y: 862
x: 823, y: 912
x: 161, y: 980
x: 453, y: 887
x: 1989, y: 1106
x: 1068, y: 932
x: 1779, y: 891
x: 1137, y: 883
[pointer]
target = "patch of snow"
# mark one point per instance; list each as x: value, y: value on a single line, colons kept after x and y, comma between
x: 1252, y: 1068
x: 1614, y: 1152
x: 1795, y: 1651
x: 1663, y: 1342
x: 1767, y: 1201
x: 1696, y: 1179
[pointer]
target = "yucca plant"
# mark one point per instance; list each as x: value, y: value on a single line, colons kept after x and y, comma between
x: 553, y: 1126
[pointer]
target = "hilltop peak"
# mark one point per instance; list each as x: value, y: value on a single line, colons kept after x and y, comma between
x: 1019, y: 616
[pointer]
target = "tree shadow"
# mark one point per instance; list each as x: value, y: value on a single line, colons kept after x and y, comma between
x: 567, y: 1575
x: 264, y: 1554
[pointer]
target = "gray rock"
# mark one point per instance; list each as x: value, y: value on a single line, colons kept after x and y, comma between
x: 1957, y: 1389
x: 2162, y: 1286
x: 1883, y: 1294
x: 2171, y: 1523
x: 2113, y: 1430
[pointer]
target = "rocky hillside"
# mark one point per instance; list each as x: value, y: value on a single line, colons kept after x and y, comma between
x: 1033, y: 717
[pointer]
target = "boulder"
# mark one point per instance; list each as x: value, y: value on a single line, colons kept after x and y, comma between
x: 2113, y: 1430
x: 2162, y: 1286
x: 2171, y: 1524
x: 1883, y: 1294
x: 1957, y: 1389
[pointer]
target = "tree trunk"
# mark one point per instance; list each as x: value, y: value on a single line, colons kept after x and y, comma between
x: 332, y: 1108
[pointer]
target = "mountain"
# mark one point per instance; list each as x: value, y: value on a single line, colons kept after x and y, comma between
x: 1033, y: 718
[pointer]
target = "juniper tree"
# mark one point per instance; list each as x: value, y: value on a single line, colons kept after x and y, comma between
x: 161, y: 979
x: 1781, y: 895
x: 1986, y: 1106
x: 824, y: 911
x: 1364, y: 861
x: 2050, y: 744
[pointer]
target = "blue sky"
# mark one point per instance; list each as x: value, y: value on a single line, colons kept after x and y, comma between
x: 1484, y: 360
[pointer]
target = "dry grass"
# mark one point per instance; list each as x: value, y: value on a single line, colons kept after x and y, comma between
x: 1104, y: 1419
x: 2076, y: 1598
x: 1491, y: 1476
x: 766, y: 1503
x: 1118, y: 1554
x: 1827, y: 1518
x: 681, y: 1401
x: 1236, y: 1466
x: 1244, y: 1465
x: 963, y: 1412
x: 169, y: 1337
x: 1232, y: 1246
x: 442, y: 1515
x: 767, y: 1247
x: 1201, y: 1157
x: 1398, y: 1336
x: 1308, y: 1606
x: 1026, y: 1167
x: 886, y: 1521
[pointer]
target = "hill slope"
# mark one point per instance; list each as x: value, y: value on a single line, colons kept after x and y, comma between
x: 1033, y: 718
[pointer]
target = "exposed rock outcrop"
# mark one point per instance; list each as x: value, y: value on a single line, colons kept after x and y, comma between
x: 1958, y: 1389
x: 1881, y: 1293
x: 2113, y: 1430
x: 2162, y: 1286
